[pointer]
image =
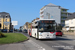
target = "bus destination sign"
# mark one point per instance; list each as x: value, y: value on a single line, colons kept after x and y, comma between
x: 47, y: 21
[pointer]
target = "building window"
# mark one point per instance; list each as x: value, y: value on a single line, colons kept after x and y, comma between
x: 71, y: 21
x: 41, y: 12
x: 5, y: 27
x: 6, y: 16
x: 64, y: 10
x: 6, y: 20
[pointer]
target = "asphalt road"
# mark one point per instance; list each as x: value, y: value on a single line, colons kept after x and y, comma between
x: 65, y: 42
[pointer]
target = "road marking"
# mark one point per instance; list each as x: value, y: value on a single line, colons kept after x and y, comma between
x: 36, y: 45
x: 73, y: 40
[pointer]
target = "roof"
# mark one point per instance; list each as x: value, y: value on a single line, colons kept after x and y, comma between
x: 46, y: 19
x: 4, y: 13
x: 71, y: 16
x: 53, y: 5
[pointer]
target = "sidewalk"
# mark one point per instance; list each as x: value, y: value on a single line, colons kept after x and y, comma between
x: 18, y: 46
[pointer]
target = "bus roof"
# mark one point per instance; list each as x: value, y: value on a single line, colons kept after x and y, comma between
x: 42, y: 19
x: 46, y: 19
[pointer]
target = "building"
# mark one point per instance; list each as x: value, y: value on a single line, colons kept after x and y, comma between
x: 24, y: 27
x: 70, y: 23
x: 27, y: 26
x: 52, y: 11
x: 5, y: 20
x: 21, y: 28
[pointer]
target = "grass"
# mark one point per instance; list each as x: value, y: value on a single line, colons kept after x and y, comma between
x: 12, y: 38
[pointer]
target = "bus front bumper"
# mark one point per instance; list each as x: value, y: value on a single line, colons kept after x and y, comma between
x: 40, y: 37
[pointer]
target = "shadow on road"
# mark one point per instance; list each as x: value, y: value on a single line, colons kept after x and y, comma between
x: 57, y: 39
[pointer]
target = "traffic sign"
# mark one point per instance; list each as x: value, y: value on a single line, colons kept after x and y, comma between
x: 14, y: 22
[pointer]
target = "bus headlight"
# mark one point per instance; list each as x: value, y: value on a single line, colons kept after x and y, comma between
x: 40, y: 34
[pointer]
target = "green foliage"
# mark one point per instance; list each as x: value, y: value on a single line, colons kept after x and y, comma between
x: 70, y: 30
x: 59, y: 27
x: 1, y: 34
x: 12, y: 37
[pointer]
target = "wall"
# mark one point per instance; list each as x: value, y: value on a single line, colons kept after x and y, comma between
x: 54, y: 12
x: 2, y: 23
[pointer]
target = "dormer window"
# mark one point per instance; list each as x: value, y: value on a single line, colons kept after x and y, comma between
x: 6, y: 16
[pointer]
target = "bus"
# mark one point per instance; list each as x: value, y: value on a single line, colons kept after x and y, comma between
x: 43, y: 29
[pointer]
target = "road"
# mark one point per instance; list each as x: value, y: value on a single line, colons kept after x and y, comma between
x: 60, y: 43
x: 65, y: 42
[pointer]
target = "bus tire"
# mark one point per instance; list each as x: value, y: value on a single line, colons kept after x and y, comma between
x: 30, y: 36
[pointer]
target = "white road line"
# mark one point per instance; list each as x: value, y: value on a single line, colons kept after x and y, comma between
x: 36, y: 45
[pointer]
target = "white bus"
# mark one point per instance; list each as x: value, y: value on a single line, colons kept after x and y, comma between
x: 43, y: 29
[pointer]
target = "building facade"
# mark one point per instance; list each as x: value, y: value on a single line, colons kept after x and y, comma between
x: 70, y: 23
x: 52, y: 11
x: 4, y: 19
x: 24, y: 27
x: 27, y: 26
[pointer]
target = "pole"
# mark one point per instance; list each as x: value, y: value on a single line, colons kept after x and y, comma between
x: 13, y: 28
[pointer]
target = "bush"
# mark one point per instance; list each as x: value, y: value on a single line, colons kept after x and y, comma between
x: 1, y: 34
x: 71, y: 30
x: 59, y: 27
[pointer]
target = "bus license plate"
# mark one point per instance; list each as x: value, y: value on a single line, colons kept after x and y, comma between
x: 47, y: 37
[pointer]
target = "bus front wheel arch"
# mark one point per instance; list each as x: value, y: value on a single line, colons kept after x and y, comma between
x: 35, y: 37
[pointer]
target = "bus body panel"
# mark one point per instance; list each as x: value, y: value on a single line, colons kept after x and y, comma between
x: 34, y: 32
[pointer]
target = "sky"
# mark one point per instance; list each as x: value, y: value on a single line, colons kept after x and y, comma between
x: 26, y: 10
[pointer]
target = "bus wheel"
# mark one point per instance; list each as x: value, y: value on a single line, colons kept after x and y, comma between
x: 35, y: 37
x: 30, y: 36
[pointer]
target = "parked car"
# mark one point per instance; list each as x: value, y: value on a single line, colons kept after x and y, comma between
x: 25, y: 31
x: 1, y: 30
x: 20, y: 30
x: 4, y: 30
x: 10, y: 30
x: 59, y: 33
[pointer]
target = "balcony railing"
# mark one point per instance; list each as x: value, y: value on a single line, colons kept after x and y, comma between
x: 62, y: 19
x: 41, y: 10
x: 66, y: 24
x: 41, y: 14
x: 64, y: 11
x: 64, y: 15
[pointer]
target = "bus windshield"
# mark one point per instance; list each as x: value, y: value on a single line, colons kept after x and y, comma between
x: 46, y: 27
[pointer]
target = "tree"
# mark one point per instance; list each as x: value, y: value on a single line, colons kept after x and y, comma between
x: 59, y: 27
